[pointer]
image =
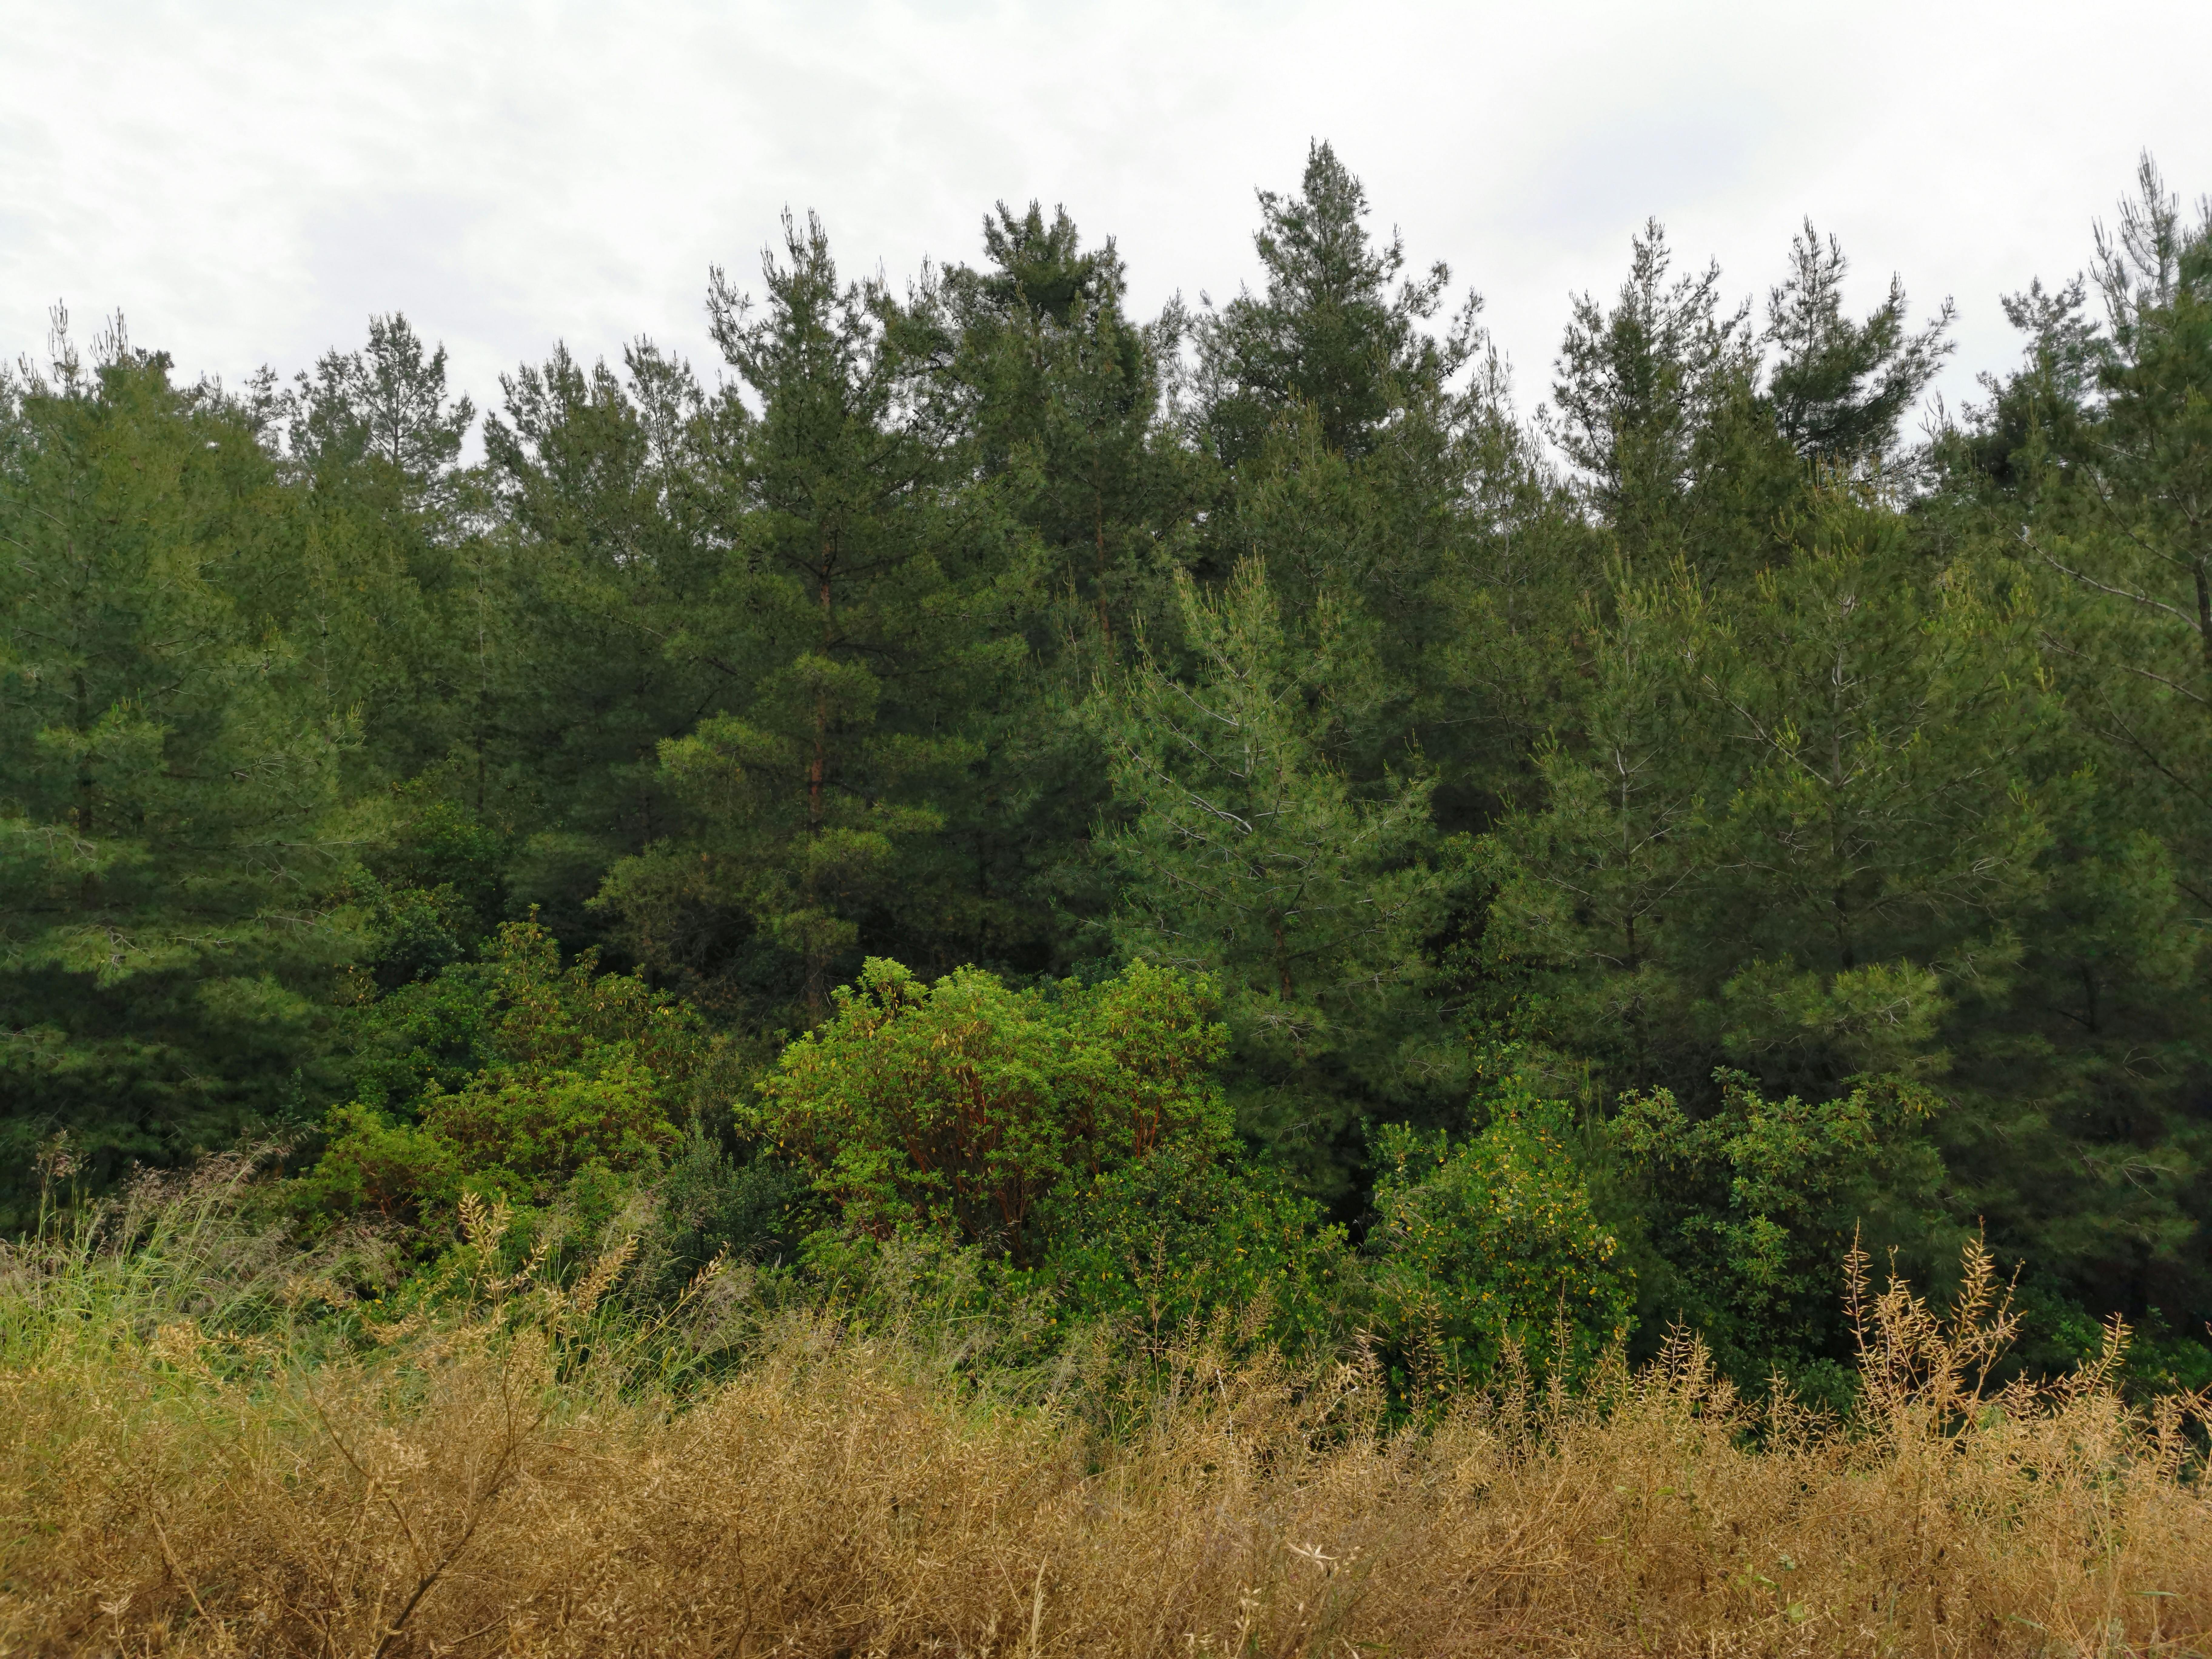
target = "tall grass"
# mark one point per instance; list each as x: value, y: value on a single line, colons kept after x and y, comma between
x: 190, y: 1465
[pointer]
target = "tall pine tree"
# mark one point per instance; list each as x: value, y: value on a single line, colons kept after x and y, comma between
x: 171, y: 834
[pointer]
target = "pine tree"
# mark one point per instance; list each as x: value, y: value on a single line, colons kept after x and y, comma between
x: 1362, y: 469
x: 1067, y: 449
x: 613, y: 488
x: 2085, y: 474
x: 1597, y: 882
x: 1639, y: 388
x: 1802, y: 816
x: 172, y: 835
x: 1841, y: 389
x: 1239, y: 851
x: 846, y: 645
x: 391, y: 605
x: 1064, y: 392
x: 2132, y: 534
x: 1330, y: 332
x: 1880, y: 838
x: 385, y: 407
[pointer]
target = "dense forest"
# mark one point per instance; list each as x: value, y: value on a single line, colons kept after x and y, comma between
x: 1220, y: 804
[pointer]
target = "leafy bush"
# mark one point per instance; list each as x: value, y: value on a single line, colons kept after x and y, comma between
x: 1490, y: 1243
x: 967, y: 1107
x: 1751, y: 1208
x: 578, y: 1075
x: 755, y: 1207
x: 1168, y: 1244
x: 375, y: 1165
x: 540, y: 1127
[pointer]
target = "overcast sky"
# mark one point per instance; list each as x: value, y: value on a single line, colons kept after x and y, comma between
x: 248, y: 182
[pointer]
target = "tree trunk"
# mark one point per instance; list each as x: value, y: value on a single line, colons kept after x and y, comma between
x: 818, y: 775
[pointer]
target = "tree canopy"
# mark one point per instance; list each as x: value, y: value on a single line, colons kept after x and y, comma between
x: 1020, y: 768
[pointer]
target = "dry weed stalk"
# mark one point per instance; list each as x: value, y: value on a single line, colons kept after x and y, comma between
x: 472, y: 1487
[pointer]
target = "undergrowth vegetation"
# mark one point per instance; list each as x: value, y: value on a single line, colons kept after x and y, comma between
x: 217, y: 1442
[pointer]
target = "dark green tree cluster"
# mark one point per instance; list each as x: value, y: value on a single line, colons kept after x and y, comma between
x: 1589, y: 866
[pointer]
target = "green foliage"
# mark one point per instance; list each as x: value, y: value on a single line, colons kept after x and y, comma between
x: 542, y: 1127
x: 432, y: 893
x: 1242, y: 853
x: 1067, y: 395
x: 172, y: 831
x: 1841, y: 389
x: 1804, y: 816
x: 1641, y: 388
x: 1705, y: 738
x: 971, y: 1108
x: 1185, y: 1237
x: 375, y: 1165
x: 2082, y: 480
x: 390, y: 596
x: 1753, y: 1208
x: 755, y: 1206
x: 1245, y: 853
x: 1489, y: 1243
x: 608, y: 484
x: 1330, y: 332
x: 846, y: 632
x: 551, y: 1082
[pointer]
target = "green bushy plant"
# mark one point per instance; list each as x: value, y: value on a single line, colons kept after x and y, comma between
x: 1173, y: 1241
x: 1751, y: 1206
x: 578, y: 1077
x: 970, y: 1107
x: 1489, y: 1242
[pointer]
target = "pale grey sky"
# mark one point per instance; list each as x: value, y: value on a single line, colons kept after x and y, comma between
x: 249, y: 181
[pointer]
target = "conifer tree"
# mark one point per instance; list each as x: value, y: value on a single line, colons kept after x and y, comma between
x: 2131, y: 531
x: 1841, y: 389
x: 1641, y: 385
x: 171, y: 834
x: 2085, y: 473
x: 1703, y: 746
x: 1239, y: 851
x: 1067, y: 450
x: 1066, y: 397
x: 397, y: 601
x: 1883, y: 827
x: 385, y: 406
x: 612, y: 487
x: 1597, y: 882
x: 846, y: 643
x: 1331, y: 331
x: 1361, y: 470
x: 1802, y: 818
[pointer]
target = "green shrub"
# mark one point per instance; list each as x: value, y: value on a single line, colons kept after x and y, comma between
x: 1751, y: 1206
x: 967, y: 1107
x: 1173, y: 1241
x: 540, y: 1128
x: 579, y: 1076
x: 375, y: 1165
x: 1489, y: 1243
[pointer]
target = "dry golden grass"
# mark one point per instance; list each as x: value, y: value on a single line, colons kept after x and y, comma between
x: 483, y: 1485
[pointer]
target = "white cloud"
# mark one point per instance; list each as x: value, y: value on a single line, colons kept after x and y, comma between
x: 248, y: 182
